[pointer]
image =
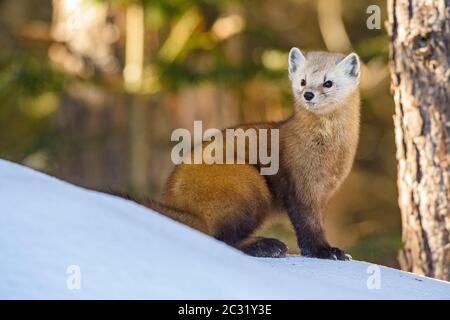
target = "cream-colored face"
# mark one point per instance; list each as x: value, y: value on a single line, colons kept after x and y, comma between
x: 321, y: 81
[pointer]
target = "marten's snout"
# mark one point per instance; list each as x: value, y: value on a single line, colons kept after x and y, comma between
x: 308, y: 96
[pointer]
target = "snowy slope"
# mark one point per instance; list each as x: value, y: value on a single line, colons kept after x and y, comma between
x: 126, y: 251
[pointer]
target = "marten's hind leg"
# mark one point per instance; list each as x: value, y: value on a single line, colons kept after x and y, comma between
x: 232, y: 200
x: 263, y: 247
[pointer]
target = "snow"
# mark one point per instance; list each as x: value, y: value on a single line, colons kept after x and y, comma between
x: 123, y: 251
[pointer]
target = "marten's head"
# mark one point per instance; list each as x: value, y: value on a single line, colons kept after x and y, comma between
x: 322, y: 81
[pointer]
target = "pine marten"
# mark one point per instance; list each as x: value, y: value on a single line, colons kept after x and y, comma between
x: 317, y: 146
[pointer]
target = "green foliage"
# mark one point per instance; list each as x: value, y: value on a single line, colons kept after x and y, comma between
x: 177, y: 75
x: 29, y: 90
x: 373, y: 47
x: 27, y: 75
x: 379, y: 248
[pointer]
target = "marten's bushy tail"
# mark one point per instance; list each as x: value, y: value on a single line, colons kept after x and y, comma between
x: 184, y: 217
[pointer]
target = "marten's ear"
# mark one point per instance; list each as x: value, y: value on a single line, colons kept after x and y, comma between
x: 296, y: 61
x: 351, y: 66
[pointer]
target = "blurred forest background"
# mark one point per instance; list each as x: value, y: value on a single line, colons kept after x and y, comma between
x: 91, y: 90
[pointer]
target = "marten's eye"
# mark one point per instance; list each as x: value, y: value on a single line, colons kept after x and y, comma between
x: 303, y: 83
x: 328, y: 84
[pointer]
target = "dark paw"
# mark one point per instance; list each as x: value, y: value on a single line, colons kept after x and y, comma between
x: 331, y: 253
x: 265, y: 248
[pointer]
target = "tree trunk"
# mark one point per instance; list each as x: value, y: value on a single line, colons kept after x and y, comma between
x: 420, y: 61
x: 138, y: 112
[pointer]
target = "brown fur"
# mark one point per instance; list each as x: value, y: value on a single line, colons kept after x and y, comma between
x: 229, y: 202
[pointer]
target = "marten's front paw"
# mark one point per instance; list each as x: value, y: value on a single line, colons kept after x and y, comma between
x: 327, y: 253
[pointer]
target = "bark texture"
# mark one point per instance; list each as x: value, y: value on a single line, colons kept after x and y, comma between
x: 420, y: 60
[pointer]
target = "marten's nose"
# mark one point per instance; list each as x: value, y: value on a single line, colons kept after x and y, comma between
x: 308, y: 96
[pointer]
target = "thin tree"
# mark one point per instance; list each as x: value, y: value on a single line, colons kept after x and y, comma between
x: 138, y: 113
x: 420, y: 61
